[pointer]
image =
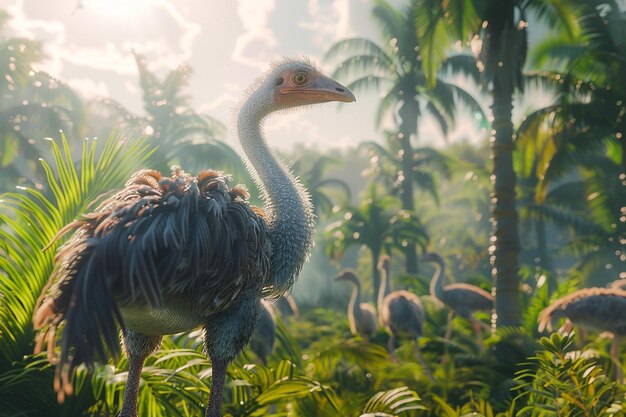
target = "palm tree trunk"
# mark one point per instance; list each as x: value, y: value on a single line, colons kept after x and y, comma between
x: 505, y: 246
x: 408, y: 128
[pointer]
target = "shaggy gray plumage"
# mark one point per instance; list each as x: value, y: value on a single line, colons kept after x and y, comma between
x: 168, y: 254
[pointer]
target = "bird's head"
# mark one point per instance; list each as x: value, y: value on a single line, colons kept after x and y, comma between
x: 347, y: 274
x: 431, y: 257
x: 384, y: 262
x: 296, y: 82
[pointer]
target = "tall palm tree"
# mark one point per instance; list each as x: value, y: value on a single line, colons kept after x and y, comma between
x: 395, y: 66
x: 376, y: 224
x: 499, y: 38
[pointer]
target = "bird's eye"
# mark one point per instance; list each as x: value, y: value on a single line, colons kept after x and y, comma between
x: 300, y: 78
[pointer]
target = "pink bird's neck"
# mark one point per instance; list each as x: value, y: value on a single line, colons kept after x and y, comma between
x: 436, y: 282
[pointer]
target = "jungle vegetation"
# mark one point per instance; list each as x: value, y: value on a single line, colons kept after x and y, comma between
x: 534, y: 211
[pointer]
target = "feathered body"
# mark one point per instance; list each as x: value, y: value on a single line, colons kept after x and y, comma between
x: 401, y: 312
x: 168, y: 254
x: 601, y: 309
x: 157, y: 256
x: 361, y: 316
x: 463, y: 298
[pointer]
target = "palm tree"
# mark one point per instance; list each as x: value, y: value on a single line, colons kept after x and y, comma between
x: 395, y: 67
x: 376, y: 224
x: 586, y: 124
x: 183, y: 136
x: 545, y: 201
x: 386, y: 165
x: 498, y: 32
x: 591, y: 100
x: 311, y: 170
x: 34, y: 104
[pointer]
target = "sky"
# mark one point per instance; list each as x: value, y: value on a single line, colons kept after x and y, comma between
x: 227, y: 44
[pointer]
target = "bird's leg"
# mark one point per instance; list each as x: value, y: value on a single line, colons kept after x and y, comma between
x: 225, y: 335
x: 391, y: 348
x: 619, y: 374
x: 138, y: 347
x: 214, y: 409
x: 448, y: 333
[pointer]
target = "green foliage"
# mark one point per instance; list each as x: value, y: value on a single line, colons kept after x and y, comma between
x: 30, y: 220
x: 323, y: 191
x: 569, y: 165
x: 561, y: 381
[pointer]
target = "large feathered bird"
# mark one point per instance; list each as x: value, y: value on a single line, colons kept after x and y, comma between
x: 361, y: 316
x: 169, y: 254
x: 461, y: 298
x: 600, y: 309
x: 400, y: 312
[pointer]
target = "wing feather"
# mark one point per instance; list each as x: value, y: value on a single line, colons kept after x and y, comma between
x: 159, y: 237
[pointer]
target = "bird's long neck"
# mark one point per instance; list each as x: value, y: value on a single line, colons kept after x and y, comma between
x: 287, y: 206
x: 384, y: 288
x: 355, y: 302
x: 436, y: 282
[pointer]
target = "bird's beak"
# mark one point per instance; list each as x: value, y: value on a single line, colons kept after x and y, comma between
x: 321, y: 89
x: 339, y: 278
x: 331, y: 90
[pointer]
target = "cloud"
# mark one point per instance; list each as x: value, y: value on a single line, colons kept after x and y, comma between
x: 253, y: 45
x: 22, y: 26
x: 97, y: 47
x: 329, y: 20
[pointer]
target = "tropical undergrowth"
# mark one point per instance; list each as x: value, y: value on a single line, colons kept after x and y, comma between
x: 317, y: 368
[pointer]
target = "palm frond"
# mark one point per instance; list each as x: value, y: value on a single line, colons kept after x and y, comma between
x: 31, y: 218
x: 389, y: 20
x: 395, y: 402
x: 358, y: 46
x: 372, y: 66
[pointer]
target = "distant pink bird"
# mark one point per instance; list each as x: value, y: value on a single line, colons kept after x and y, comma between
x: 601, y: 309
x: 400, y: 312
x: 361, y: 316
x: 462, y: 299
